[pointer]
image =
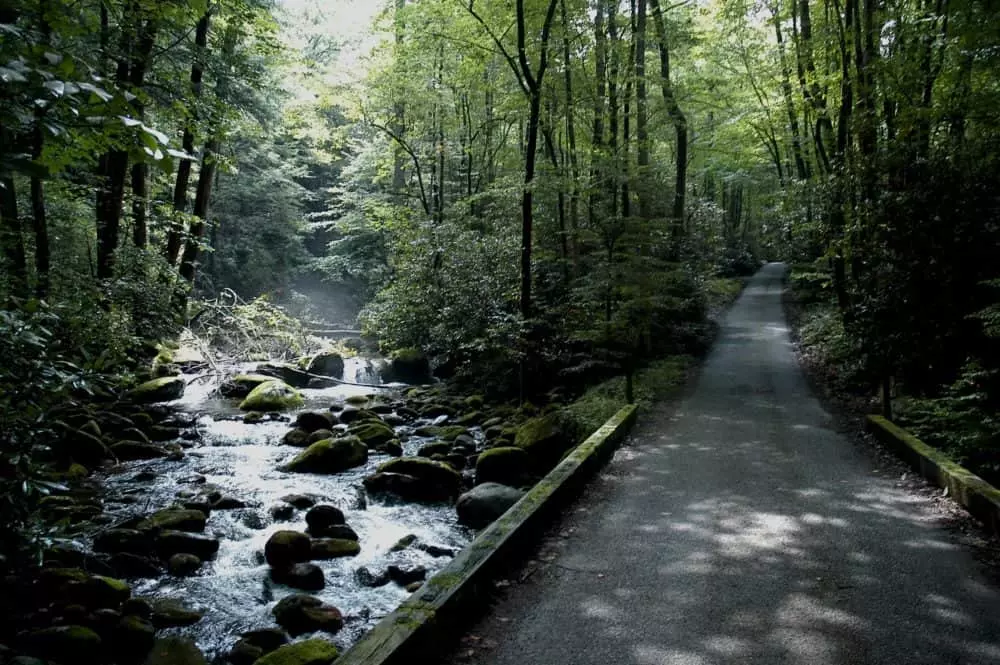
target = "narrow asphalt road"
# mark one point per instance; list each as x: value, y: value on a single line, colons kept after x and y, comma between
x: 741, y: 528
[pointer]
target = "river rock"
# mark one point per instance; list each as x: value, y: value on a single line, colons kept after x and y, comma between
x: 436, y: 448
x: 272, y: 396
x: 84, y: 447
x: 228, y: 503
x: 304, y: 576
x: 484, y: 503
x: 408, y: 365
x: 333, y: 548
x: 435, y: 479
x: 267, y: 639
x: 349, y: 414
x: 307, y: 652
x: 330, y: 456
x: 126, y: 564
x: 158, y: 390
x: 138, y: 607
x: 183, y: 565
x: 285, y: 372
x: 300, y: 501
x: 366, y: 578
x: 169, y: 613
x: 178, y: 520
x: 285, y: 548
x: 175, y: 650
x: 403, y: 486
x: 545, y: 439
x: 321, y: 434
x: 169, y: 543
x: 338, y: 531
x: 320, y: 517
x: 244, y: 653
x: 327, y: 363
x: 505, y: 465
x: 406, y: 576
x: 241, y: 385
x: 310, y: 421
x: 128, y: 451
x: 372, y: 434
x: 132, y: 541
x: 300, y: 613
x: 132, y: 638
x: 66, y: 644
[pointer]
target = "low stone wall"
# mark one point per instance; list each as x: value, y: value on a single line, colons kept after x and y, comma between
x: 436, y: 610
x: 980, y: 498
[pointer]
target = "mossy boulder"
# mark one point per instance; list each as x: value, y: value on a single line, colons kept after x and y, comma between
x: 285, y: 372
x: 132, y: 638
x: 175, y: 650
x: 272, y: 396
x: 179, y: 520
x: 326, y: 363
x: 483, y: 504
x: 330, y: 456
x: 301, y: 613
x: 409, y: 365
x: 241, y: 385
x: 170, y: 542
x: 545, y: 438
x: 506, y: 465
x: 159, y: 390
x: 311, y: 421
x: 128, y: 451
x: 322, y: 517
x: 445, y: 433
x: 415, y: 479
x: 183, y: 565
x: 132, y: 541
x: 66, y: 644
x: 83, y: 447
x: 435, y: 448
x: 285, y: 548
x: 298, y: 438
x: 424, y: 469
x: 333, y: 548
x: 372, y: 434
x: 304, y: 576
x: 172, y: 613
x: 307, y: 652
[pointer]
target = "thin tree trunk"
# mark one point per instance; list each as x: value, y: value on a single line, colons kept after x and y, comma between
x: 203, y: 195
x: 597, y: 138
x: 680, y: 124
x: 626, y: 165
x: 13, y: 240
x: 614, y: 59
x: 398, y: 112
x: 641, y: 131
x: 801, y: 168
x: 574, y: 198
x: 39, y: 217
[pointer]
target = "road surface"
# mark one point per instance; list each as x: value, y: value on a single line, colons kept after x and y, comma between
x: 741, y: 528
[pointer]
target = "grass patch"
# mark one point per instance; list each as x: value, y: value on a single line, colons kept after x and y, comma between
x: 721, y: 292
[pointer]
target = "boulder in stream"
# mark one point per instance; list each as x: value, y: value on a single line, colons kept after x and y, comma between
x: 304, y: 576
x: 175, y: 650
x: 127, y: 451
x: 169, y: 543
x: 132, y: 638
x: 66, y: 644
x: 333, y: 548
x: 301, y: 613
x: 408, y: 365
x: 183, y: 565
x: 285, y: 372
x: 545, y: 439
x: 272, y: 396
x: 330, y: 456
x: 372, y: 433
x: 484, y: 503
x: 241, y: 385
x: 310, y: 421
x: 307, y: 652
x: 170, y: 613
x: 506, y: 465
x: 178, y: 520
x: 285, y: 548
x: 158, y: 390
x: 326, y: 363
x: 429, y: 480
x: 323, y: 516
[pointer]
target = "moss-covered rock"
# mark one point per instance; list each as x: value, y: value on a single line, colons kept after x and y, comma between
x: 132, y: 638
x: 415, y: 479
x: 330, y: 456
x: 66, y: 644
x: 179, y: 520
x: 286, y: 372
x: 326, y: 363
x: 285, y: 548
x: 333, y: 548
x: 158, y: 390
x: 175, y: 650
x: 132, y: 541
x: 304, y: 576
x: 435, y: 448
x: 171, y: 613
x: 272, y: 396
x: 545, y: 439
x: 424, y: 469
x: 409, y: 365
x: 170, y: 542
x: 183, y: 565
x: 307, y: 652
x: 298, y: 438
x: 505, y: 465
x: 311, y: 421
x: 301, y: 613
x: 241, y: 385
x: 127, y: 451
x: 483, y: 504
x: 372, y: 434
x: 445, y: 433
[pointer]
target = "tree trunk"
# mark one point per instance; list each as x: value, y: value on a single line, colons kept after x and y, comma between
x: 597, y: 137
x: 680, y: 124
x: 13, y: 241
x: 399, y: 113
x: 613, y: 74
x: 641, y: 131
x: 174, y: 239
x: 801, y: 169
x: 574, y: 199
x: 38, y: 212
x: 203, y: 195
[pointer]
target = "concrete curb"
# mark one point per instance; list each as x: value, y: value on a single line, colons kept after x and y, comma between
x: 417, y: 627
x: 980, y: 498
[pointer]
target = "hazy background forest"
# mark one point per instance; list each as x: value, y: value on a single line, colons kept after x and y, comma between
x: 535, y: 193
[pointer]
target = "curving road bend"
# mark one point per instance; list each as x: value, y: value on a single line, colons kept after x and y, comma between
x: 741, y: 528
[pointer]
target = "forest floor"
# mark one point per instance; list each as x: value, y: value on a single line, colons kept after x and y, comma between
x: 749, y: 524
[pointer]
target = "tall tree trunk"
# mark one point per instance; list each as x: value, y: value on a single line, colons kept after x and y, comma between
x: 203, y: 195
x: 626, y: 164
x: 398, y: 111
x: 13, y: 240
x: 614, y: 60
x: 680, y: 124
x: 641, y: 131
x: 174, y: 237
x: 574, y: 197
x: 140, y: 171
x: 597, y: 137
x: 38, y: 212
x: 801, y: 169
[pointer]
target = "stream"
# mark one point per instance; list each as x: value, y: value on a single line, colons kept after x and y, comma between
x: 234, y: 590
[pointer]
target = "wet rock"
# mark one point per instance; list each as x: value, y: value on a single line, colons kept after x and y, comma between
x: 66, y: 644
x: 300, y: 613
x: 228, y: 503
x: 330, y: 456
x: 132, y: 638
x: 403, y: 486
x: 436, y: 410
x: 164, y: 433
x: 241, y: 385
x: 252, y: 520
x: 175, y: 650
x: 464, y: 442
x: 300, y: 501
x: 545, y: 439
x: 333, y: 548
x: 299, y: 438
x: 267, y: 639
x: 158, y: 390
x: 321, y: 434
x: 170, y: 613
x: 138, y: 607
x: 338, y: 531
x: 169, y: 543
x: 132, y: 541
x: 126, y: 564
x: 128, y: 451
x: 310, y: 421
x: 484, y: 503
x: 408, y: 365
x: 372, y: 434
x: 199, y: 504
x: 434, y: 480
x: 392, y: 448
x: 304, y: 576
x: 244, y: 653
x: 307, y: 652
x: 319, y: 518
x: 457, y: 461
x: 436, y: 448
x: 285, y: 548
x: 413, y: 586
x: 177, y: 520
x: 183, y: 565
x: 493, y: 432
x: 437, y: 550
x: 393, y: 420
x: 326, y: 363
x: 254, y: 418
x: 282, y: 512
x: 272, y: 396
x: 367, y: 578
x: 403, y: 543
x: 404, y: 576
x: 286, y: 373
x: 504, y: 465
x: 349, y: 414
x: 470, y: 418
x: 84, y: 447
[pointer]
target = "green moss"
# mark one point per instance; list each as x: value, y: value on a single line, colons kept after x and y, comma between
x: 307, y: 652
x: 408, y: 355
x: 272, y: 396
x: 330, y: 456
x: 163, y: 389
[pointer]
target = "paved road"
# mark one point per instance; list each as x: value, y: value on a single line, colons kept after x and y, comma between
x: 743, y: 529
